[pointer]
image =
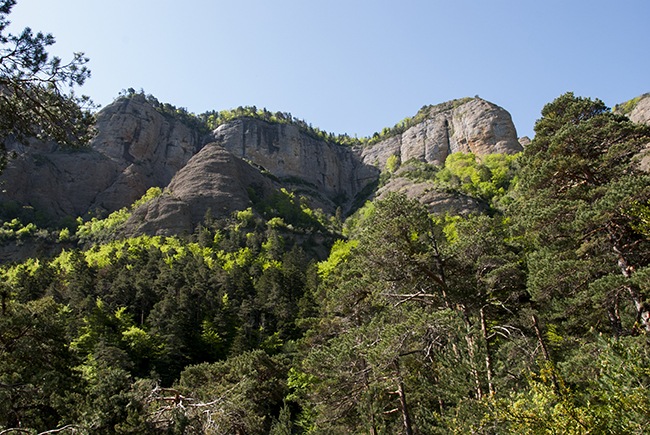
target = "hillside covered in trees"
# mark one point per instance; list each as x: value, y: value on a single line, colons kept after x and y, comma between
x: 526, y: 313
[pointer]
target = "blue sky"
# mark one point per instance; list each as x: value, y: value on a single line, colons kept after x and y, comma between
x: 352, y: 66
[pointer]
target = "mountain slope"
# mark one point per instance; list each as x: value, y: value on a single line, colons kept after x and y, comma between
x: 139, y: 146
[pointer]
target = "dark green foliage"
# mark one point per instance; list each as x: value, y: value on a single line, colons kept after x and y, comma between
x: 532, y: 320
x: 579, y: 179
x: 245, y: 391
x: 34, y: 102
x: 38, y: 383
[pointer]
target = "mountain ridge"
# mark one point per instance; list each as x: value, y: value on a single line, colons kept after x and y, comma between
x: 141, y: 144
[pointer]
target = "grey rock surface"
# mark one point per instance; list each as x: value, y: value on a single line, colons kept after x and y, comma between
x: 136, y: 148
x: 286, y: 152
x: 641, y: 112
x: 212, y: 180
x: 437, y: 201
x: 476, y: 126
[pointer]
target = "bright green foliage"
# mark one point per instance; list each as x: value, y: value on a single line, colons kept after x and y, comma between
x: 340, y: 251
x: 640, y: 214
x: 615, y: 402
x: 627, y: 107
x: 292, y: 211
x: 543, y: 409
x: 102, y: 230
x: 393, y: 162
x: 356, y: 222
x: 489, y: 178
x: 117, y: 331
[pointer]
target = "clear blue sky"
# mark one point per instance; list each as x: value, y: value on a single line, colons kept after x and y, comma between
x: 353, y: 66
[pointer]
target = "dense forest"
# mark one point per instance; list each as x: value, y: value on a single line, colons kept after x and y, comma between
x: 531, y: 318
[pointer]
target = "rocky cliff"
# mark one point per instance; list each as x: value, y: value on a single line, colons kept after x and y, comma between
x: 637, y: 109
x: 283, y: 150
x: 212, y: 180
x: 136, y: 148
x: 469, y: 125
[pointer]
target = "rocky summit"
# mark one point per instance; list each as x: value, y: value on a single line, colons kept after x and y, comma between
x: 138, y: 147
x: 470, y: 125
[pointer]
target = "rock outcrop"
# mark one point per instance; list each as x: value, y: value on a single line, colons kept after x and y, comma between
x: 148, y: 147
x: 212, y: 180
x: 434, y: 198
x: 637, y: 109
x: 136, y: 148
x: 470, y: 125
x: 283, y: 150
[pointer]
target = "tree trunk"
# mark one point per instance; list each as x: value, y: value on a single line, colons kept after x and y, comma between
x: 371, y: 415
x: 547, y: 358
x: 470, y: 351
x: 642, y: 309
x: 488, y: 360
x: 402, y: 399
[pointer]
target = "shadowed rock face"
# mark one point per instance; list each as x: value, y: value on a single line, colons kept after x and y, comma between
x: 212, y: 180
x: 476, y: 126
x: 136, y: 148
x: 283, y: 150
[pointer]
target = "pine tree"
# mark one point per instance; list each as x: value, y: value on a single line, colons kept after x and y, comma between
x: 580, y: 180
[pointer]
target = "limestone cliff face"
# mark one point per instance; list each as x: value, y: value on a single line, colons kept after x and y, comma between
x: 136, y: 148
x: 148, y: 147
x: 475, y: 126
x: 641, y: 112
x: 283, y: 150
x: 212, y: 180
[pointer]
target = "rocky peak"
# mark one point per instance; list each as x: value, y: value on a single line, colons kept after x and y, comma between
x: 637, y: 109
x: 469, y: 125
x: 212, y: 180
x: 136, y: 148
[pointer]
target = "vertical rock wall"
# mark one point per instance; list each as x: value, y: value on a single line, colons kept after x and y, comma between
x: 475, y: 126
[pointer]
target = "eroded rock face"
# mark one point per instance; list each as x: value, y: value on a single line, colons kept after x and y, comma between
x: 148, y: 147
x: 475, y: 126
x: 437, y: 201
x: 641, y: 112
x: 61, y: 183
x: 212, y: 180
x: 283, y: 150
x: 136, y: 148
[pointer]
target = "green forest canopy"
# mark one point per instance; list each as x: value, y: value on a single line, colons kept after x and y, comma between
x: 530, y: 319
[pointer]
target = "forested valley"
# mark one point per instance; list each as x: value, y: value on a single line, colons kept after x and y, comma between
x: 530, y: 318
